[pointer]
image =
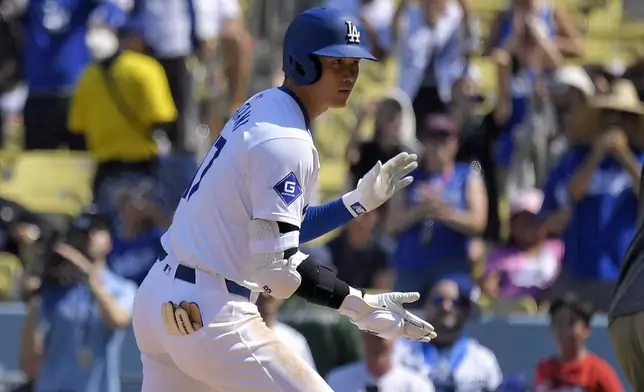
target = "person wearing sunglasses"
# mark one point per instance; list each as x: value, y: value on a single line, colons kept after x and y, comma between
x: 437, y: 217
x: 453, y: 361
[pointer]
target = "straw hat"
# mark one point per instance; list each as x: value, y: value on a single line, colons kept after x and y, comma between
x: 623, y: 97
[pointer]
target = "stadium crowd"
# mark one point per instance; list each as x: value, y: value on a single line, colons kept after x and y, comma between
x: 524, y: 200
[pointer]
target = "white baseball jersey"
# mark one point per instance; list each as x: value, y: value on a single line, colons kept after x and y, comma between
x: 263, y: 166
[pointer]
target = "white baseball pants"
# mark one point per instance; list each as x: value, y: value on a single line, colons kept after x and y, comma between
x: 234, y: 351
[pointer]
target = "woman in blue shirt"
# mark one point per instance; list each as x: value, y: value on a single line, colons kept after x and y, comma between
x: 76, y: 322
x: 435, y: 217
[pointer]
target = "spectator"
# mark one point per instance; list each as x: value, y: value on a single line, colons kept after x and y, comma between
x: 591, y: 194
x: 574, y: 367
x: 137, y: 246
x: 453, y: 361
x: 378, y: 372
x: 437, y: 215
x: 54, y: 56
x: 530, y: 263
x: 75, y: 324
x: 523, y: 140
x: 436, y: 38
x: 554, y: 22
x: 12, y: 91
x: 173, y: 30
x: 227, y: 61
x: 571, y: 90
x: 478, y: 146
x: 18, y: 226
x: 269, y: 309
x: 27, y: 236
x: 359, y: 256
x: 393, y: 133
x: 120, y: 102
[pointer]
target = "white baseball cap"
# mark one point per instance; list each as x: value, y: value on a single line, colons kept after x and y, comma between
x: 575, y: 76
x: 526, y: 200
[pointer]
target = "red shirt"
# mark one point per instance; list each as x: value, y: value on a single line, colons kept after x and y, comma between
x: 590, y: 374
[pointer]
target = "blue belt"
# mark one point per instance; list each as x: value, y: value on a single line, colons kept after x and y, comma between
x: 189, y: 275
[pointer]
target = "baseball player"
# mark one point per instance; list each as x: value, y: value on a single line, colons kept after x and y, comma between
x: 237, y: 230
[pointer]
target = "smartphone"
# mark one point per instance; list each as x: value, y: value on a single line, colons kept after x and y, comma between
x: 372, y: 388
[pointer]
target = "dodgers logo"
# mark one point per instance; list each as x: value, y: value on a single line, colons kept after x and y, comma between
x: 358, y: 208
x: 288, y: 189
x: 353, y: 35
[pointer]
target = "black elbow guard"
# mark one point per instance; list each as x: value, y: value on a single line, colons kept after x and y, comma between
x: 320, y: 285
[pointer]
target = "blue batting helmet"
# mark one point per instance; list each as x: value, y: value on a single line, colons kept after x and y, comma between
x: 319, y: 32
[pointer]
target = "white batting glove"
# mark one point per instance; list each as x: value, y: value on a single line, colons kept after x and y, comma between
x: 380, y: 184
x: 383, y: 315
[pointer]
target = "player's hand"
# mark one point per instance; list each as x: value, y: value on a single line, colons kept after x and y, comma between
x: 182, y: 319
x: 384, y: 316
x: 381, y: 182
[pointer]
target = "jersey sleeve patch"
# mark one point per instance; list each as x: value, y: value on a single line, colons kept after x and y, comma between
x: 288, y: 189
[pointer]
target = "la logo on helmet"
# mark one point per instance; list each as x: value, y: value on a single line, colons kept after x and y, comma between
x: 353, y: 35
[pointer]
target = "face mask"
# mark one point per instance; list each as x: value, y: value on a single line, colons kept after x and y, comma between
x: 102, y: 42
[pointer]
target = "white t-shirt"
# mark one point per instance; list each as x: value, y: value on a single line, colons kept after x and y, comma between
x: 355, y: 378
x: 167, y: 25
x: 477, y: 371
x: 295, y: 340
x: 212, y: 15
x: 263, y: 166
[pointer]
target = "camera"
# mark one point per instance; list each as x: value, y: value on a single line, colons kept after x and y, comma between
x: 77, y: 236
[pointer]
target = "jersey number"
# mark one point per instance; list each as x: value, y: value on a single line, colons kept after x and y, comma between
x: 219, y: 145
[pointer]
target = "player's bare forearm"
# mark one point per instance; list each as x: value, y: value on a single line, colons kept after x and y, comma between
x: 237, y: 57
x: 112, y: 313
x: 31, y: 341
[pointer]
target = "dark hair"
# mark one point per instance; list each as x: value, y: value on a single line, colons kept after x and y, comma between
x: 582, y: 309
x: 387, y: 103
x: 76, y: 235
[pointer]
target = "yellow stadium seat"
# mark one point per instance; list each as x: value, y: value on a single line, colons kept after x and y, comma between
x: 508, y: 306
x: 10, y: 271
x: 605, y: 22
x: 56, y: 182
x: 333, y: 176
x: 482, y: 6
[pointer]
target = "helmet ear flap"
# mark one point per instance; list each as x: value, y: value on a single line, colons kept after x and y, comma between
x: 317, y: 65
x: 303, y: 70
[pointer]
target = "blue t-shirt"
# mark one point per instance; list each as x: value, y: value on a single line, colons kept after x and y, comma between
x: 54, y: 47
x: 521, y: 90
x: 602, y: 224
x: 545, y: 15
x: 414, y: 248
x: 81, y: 353
x: 133, y: 258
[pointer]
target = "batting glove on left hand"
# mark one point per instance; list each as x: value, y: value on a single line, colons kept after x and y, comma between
x: 380, y: 184
x: 182, y: 319
x: 383, y: 315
